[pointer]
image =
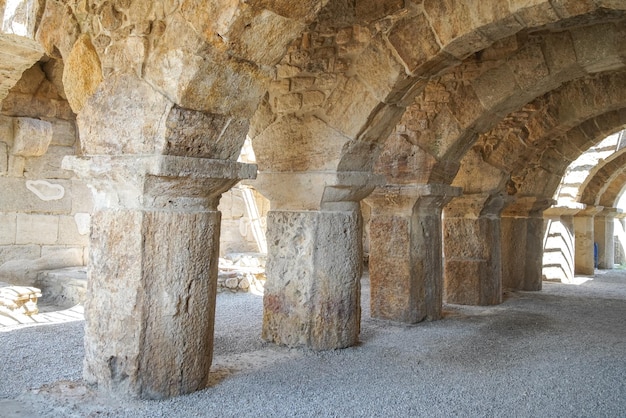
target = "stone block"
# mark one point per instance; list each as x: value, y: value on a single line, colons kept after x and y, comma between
x: 19, y: 252
x: 22, y: 199
x: 16, y: 166
x: 8, y: 222
x: 288, y: 103
x: 463, y: 281
x: 598, y: 48
x: 4, y: 159
x: 529, y: 66
x: 81, y: 196
x: 63, y: 287
x: 36, y: 229
x: 70, y: 232
x: 60, y: 256
x: 414, y: 42
x: 23, y: 267
x: 373, y: 10
x: 379, y: 69
x: 349, y: 106
x: 63, y: 133
x: 82, y: 73
x: 313, y: 270
x: 495, y: 87
x: 6, y: 130
x: 142, y: 251
x: 48, y: 166
x: 31, y: 137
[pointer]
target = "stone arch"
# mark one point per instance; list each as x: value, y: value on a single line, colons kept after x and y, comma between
x: 602, y: 186
x: 43, y: 207
x: 540, y: 140
x: 326, y: 79
x: 164, y: 92
x: 446, y: 118
x: 519, y: 164
x: 614, y: 191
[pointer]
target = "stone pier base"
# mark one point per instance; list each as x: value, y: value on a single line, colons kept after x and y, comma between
x: 472, y: 251
x: 151, y: 301
x: 313, y: 273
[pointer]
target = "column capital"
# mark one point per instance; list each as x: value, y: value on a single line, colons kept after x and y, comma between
x: 157, y: 181
x: 610, y: 212
x: 529, y: 206
x: 316, y: 190
x: 404, y: 198
x: 477, y: 205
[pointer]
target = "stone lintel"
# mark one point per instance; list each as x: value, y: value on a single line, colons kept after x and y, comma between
x: 157, y: 181
x: 315, y: 190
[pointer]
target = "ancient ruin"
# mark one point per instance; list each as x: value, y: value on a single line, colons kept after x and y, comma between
x: 435, y: 136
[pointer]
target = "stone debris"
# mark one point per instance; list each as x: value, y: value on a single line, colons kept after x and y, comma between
x: 20, y: 299
x: 241, y: 272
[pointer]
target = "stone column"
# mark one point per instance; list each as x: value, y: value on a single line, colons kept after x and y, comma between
x: 522, y: 244
x: 604, y: 232
x: 559, y: 246
x: 584, y: 239
x: 315, y: 258
x: 405, y: 265
x: 472, y: 253
x: 153, y: 270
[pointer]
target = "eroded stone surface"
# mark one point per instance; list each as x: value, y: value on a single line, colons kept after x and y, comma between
x: 313, y: 271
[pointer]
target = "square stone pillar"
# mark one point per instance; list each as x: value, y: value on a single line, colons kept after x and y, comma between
x: 522, y: 244
x: 472, y: 250
x: 559, y: 246
x: 604, y: 236
x: 314, y: 269
x: 153, y: 270
x: 405, y: 264
x: 584, y: 262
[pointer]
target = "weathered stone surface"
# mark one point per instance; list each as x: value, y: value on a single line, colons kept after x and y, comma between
x: 127, y: 128
x: 82, y: 73
x: 63, y: 133
x: 293, y: 145
x: 63, y: 287
x: 522, y: 252
x: 414, y: 41
x: 37, y: 229
x: 49, y: 165
x: 21, y: 199
x: 313, y: 279
x: 25, y: 262
x: 196, y: 134
x: 405, y: 263
x: 4, y: 159
x: 129, y: 351
x: 153, y: 181
x: 70, y: 232
x: 7, y: 228
x: 24, y: 252
x: 31, y: 137
x: 206, y: 83
x: 472, y: 251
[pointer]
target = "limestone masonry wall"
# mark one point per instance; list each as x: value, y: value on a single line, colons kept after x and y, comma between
x: 44, y: 209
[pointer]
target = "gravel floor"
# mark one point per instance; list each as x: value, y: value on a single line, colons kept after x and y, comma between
x: 559, y: 353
